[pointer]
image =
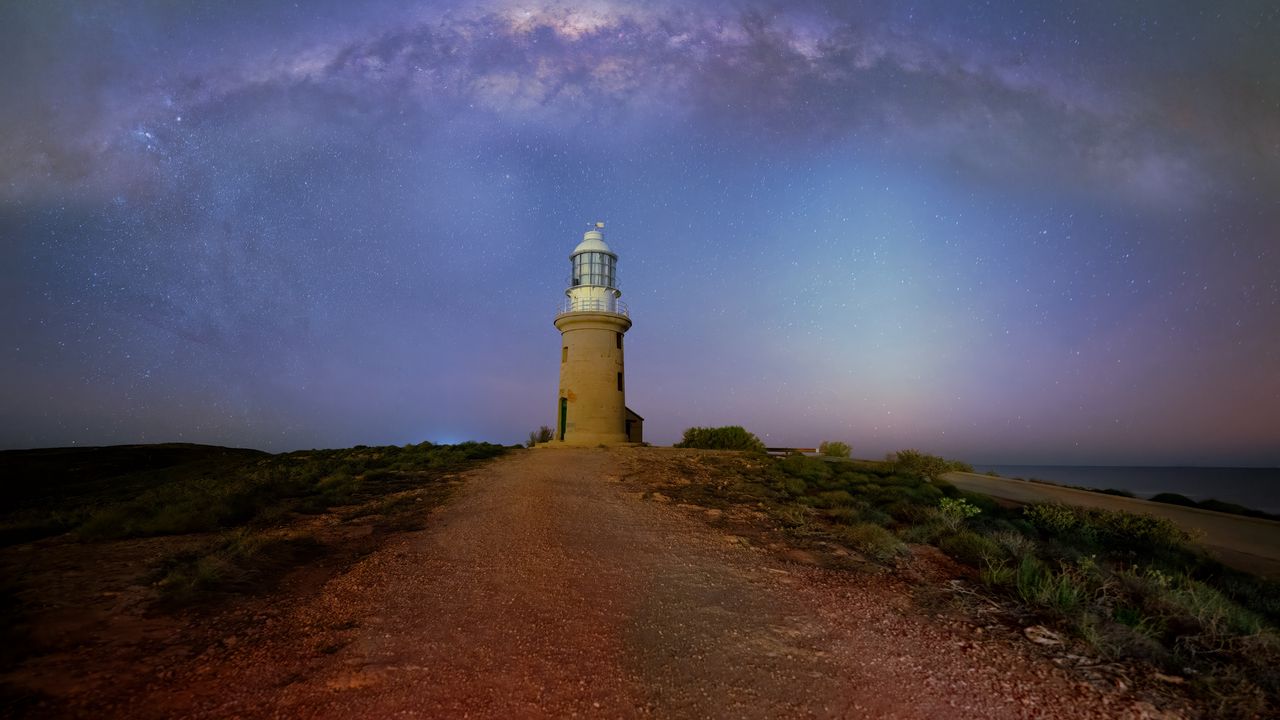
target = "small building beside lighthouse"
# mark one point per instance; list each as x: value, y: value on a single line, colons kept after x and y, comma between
x: 591, y: 404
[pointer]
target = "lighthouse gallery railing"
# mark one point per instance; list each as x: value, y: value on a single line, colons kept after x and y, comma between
x: 607, y: 305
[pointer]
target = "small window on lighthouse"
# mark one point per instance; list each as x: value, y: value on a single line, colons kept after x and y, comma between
x: 619, y: 382
x: 618, y: 337
x: 564, y: 354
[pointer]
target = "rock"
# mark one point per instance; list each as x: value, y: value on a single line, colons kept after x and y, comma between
x: 1042, y: 635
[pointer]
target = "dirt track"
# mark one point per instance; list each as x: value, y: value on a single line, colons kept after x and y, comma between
x: 547, y: 587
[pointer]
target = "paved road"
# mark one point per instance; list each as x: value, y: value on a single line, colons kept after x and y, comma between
x: 1247, y: 543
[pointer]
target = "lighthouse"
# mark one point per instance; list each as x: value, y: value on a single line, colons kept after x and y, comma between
x: 591, y: 404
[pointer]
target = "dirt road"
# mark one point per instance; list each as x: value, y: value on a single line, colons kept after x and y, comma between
x: 549, y: 587
x: 1251, y: 544
x: 546, y: 589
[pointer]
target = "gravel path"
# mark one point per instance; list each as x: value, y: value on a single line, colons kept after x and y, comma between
x: 546, y: 588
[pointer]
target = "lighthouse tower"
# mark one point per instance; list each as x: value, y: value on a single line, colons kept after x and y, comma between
x: 591, y: 404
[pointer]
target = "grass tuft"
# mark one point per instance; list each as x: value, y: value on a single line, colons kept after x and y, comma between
x: 873, y: 541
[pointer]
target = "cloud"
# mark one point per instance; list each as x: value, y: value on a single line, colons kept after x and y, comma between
x: 792, y: 76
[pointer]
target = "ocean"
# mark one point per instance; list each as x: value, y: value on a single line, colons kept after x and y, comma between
x: 1257, y: 488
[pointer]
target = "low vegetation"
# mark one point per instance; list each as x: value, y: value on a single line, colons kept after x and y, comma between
x: 543, y: 434
x: 1130, y: 587
x: 251, y: 502
x: 730, y: 437
x: 834, y: 448
x: 914, y: 462
x: 1172, y: 499
x: 237, y: 560
x: 1214, y: 505
x: 264, y: 490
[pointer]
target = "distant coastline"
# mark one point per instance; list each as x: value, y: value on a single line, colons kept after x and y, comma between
x: 1254, y: 488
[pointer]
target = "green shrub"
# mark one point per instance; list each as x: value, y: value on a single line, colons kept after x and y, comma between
x: 1117, y: 492
x: 834, y: 448
x: 1174, y: 499
x: 271, y: 487
x: 914, y: 462
x: 1014, y: 543
x: 1218, y: 617
x: 1061, y: 592
x: 954, y: 511
x: 833, y: 498
x: 236, y: 558
x: 985, y: 503
x: 1235, y: 509
x: 873, y: 515
x: 338, y: 488
x: 1052, y: 517
x: 792, y: 516
x: 1126, y: 529
x: 849, y: 477
x: 873, y: 541
x: 997, y: 574
x: 915, y: 492
x: 1116, y: 530
x: 969, y: 547
x: 794, y: 486
x: 1261, y: 595
x: 925, y: 531
x: 730, y: 437
x: 909, y: 512
x: 844, y: 515
x: 811, y: 470
x: 543, y: 434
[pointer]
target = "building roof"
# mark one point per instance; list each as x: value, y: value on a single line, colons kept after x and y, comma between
x: 592, y: 241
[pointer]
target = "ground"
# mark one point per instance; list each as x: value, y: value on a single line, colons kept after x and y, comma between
x: 1250, y: 544
x: 555, y: 583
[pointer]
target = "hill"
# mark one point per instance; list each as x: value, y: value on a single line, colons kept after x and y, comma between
x: 47, y: 491
x: 626, y: 581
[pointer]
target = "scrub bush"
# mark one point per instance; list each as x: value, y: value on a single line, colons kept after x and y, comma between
x: 954, y: 511
x: 729, y: 437
x: 811, y: 470
x: 873, y: 541
x: 914, y: 462
x: 970, y: 547
x: 794, y: 486
x: 541, y: 435
x: 834, y: 448
x: 833, y: 498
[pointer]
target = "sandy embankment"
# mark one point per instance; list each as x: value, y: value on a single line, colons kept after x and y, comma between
x: 1242, y: 542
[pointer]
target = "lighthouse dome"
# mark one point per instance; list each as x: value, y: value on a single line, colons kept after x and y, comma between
x: 592, y: 241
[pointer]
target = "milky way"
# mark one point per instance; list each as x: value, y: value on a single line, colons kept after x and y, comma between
x: 1016, y: 233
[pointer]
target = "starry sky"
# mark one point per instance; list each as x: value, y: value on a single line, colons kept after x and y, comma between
x: 1009, y: 232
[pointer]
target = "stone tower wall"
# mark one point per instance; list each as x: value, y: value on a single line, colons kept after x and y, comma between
x: 592, y: 379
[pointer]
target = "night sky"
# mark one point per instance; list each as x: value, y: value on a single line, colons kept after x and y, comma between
x: 1011, y: 233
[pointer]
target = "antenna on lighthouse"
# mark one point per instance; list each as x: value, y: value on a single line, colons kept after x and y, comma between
x: 600, y: 225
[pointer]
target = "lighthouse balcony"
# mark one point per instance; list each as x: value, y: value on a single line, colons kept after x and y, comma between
x: 596, y: 305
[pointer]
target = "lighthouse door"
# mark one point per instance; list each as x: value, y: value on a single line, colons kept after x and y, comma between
x: 564, y: 415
